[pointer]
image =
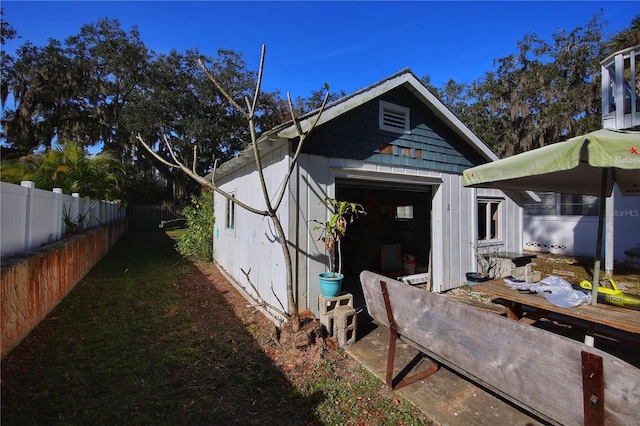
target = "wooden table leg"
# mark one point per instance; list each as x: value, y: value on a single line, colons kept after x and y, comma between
x: 514, y: 310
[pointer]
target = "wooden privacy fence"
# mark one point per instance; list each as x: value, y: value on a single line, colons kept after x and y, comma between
x: 32, y: 217
x: 151, y: 216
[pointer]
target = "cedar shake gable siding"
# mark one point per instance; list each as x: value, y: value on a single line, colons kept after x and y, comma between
x: 356, y: 135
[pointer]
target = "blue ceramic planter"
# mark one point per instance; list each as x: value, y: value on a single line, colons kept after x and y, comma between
x: 330, y: 283
x: 474, y: 278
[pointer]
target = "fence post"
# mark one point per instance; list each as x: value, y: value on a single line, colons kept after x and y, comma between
x: 96, y: 212
x: 58, y: 213
x: 74, y: 209
x: 87, y: 210
x: 100, y: 214
x: 28, y: 213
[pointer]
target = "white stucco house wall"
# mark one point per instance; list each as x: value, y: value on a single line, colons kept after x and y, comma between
x: 396, y: 149
x: 568, y: 224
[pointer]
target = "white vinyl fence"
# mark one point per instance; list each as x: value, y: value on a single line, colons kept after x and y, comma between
x: 31, y: 217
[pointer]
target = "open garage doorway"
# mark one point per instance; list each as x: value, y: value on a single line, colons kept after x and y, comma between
x: 397, y: 227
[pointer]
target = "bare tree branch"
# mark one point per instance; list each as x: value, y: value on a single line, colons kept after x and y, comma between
x: 271, y: 209
x: 258, y: 86
x: 221, y: 89
x: 195, y: 158
x: 303, y: 137
x: 261, y: 302
x: 202, y: 181
x: 250, y: 117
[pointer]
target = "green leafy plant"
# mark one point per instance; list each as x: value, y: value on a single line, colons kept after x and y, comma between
x: 74, y: 222
x: 197, y: 242
x: 332, y: 231
x: 69, y: 166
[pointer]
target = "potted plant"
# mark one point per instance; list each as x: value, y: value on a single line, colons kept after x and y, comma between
x: 487, y: 261
x: 331, y: 233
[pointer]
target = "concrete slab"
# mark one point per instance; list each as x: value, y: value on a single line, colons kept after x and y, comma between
x: 446, y: 397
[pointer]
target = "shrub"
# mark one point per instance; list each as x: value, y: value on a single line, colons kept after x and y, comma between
x: 197, y: 242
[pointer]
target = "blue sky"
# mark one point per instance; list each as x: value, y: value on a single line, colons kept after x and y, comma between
x: 349, y: 45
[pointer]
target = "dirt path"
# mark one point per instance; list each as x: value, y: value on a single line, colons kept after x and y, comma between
x: 197, y: 289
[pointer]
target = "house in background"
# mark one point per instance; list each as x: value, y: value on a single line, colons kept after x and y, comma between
x: 397, y: 150
x: 568, y: 224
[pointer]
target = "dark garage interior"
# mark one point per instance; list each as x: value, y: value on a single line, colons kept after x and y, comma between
x: 397, y: 227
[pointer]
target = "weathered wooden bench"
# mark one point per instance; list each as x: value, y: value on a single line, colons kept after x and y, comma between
x: 555, y: 378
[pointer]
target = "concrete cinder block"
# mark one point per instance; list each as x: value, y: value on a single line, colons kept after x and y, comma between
x: 344, y: 325
x: 534, y: 276
x: 328, y: 304
x: 526, y: 273
x: 327, y: 320
x: 505, y: 267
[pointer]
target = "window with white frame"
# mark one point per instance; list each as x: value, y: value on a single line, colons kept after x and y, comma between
x: 489, y: 212
x: 230, y: 217
x: 394, y: 118
x: 556, y: 204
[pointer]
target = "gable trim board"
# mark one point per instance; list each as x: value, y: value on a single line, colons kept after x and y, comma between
x: 451, y: 219
x: 408, y: 80
x: 404, y: 78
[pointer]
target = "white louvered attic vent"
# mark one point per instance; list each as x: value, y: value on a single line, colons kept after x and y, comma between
x: 394, y: 118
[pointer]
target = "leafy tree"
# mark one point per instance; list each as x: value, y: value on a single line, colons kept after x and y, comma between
x: 68, y: 166
x: 626, y: 38
x: 7, y: 32
x: 39, y: 81
x: 146, y: 186
x: 74, y: 91
x: 103, y: 86
x: 544, y: 93
x: 110, y: 65
x: 306, y: 105
x: 178, y: 104
x: 183, y: 106
x: 197, y: 242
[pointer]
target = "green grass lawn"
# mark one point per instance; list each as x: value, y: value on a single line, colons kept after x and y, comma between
x: 125, y: 348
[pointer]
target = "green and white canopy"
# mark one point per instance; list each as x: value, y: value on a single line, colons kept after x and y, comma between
x: 573, y: 167
x: 588, y: 164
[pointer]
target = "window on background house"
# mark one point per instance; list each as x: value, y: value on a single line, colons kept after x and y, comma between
x: 230, y: 221
x: 555, y: 204
x: 488, y: 219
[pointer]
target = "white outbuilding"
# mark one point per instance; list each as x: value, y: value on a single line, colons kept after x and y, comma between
x: 397, y: 150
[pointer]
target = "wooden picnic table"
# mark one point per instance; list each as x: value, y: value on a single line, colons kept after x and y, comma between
x: 608, y: 320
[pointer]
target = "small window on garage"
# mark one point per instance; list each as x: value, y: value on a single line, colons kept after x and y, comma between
x: 489, y: 219
x: 404, y: 212
x: 230, y: 216
x: 394, y: 118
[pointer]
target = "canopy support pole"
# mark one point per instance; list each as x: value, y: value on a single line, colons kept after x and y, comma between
x: 596, y: 265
